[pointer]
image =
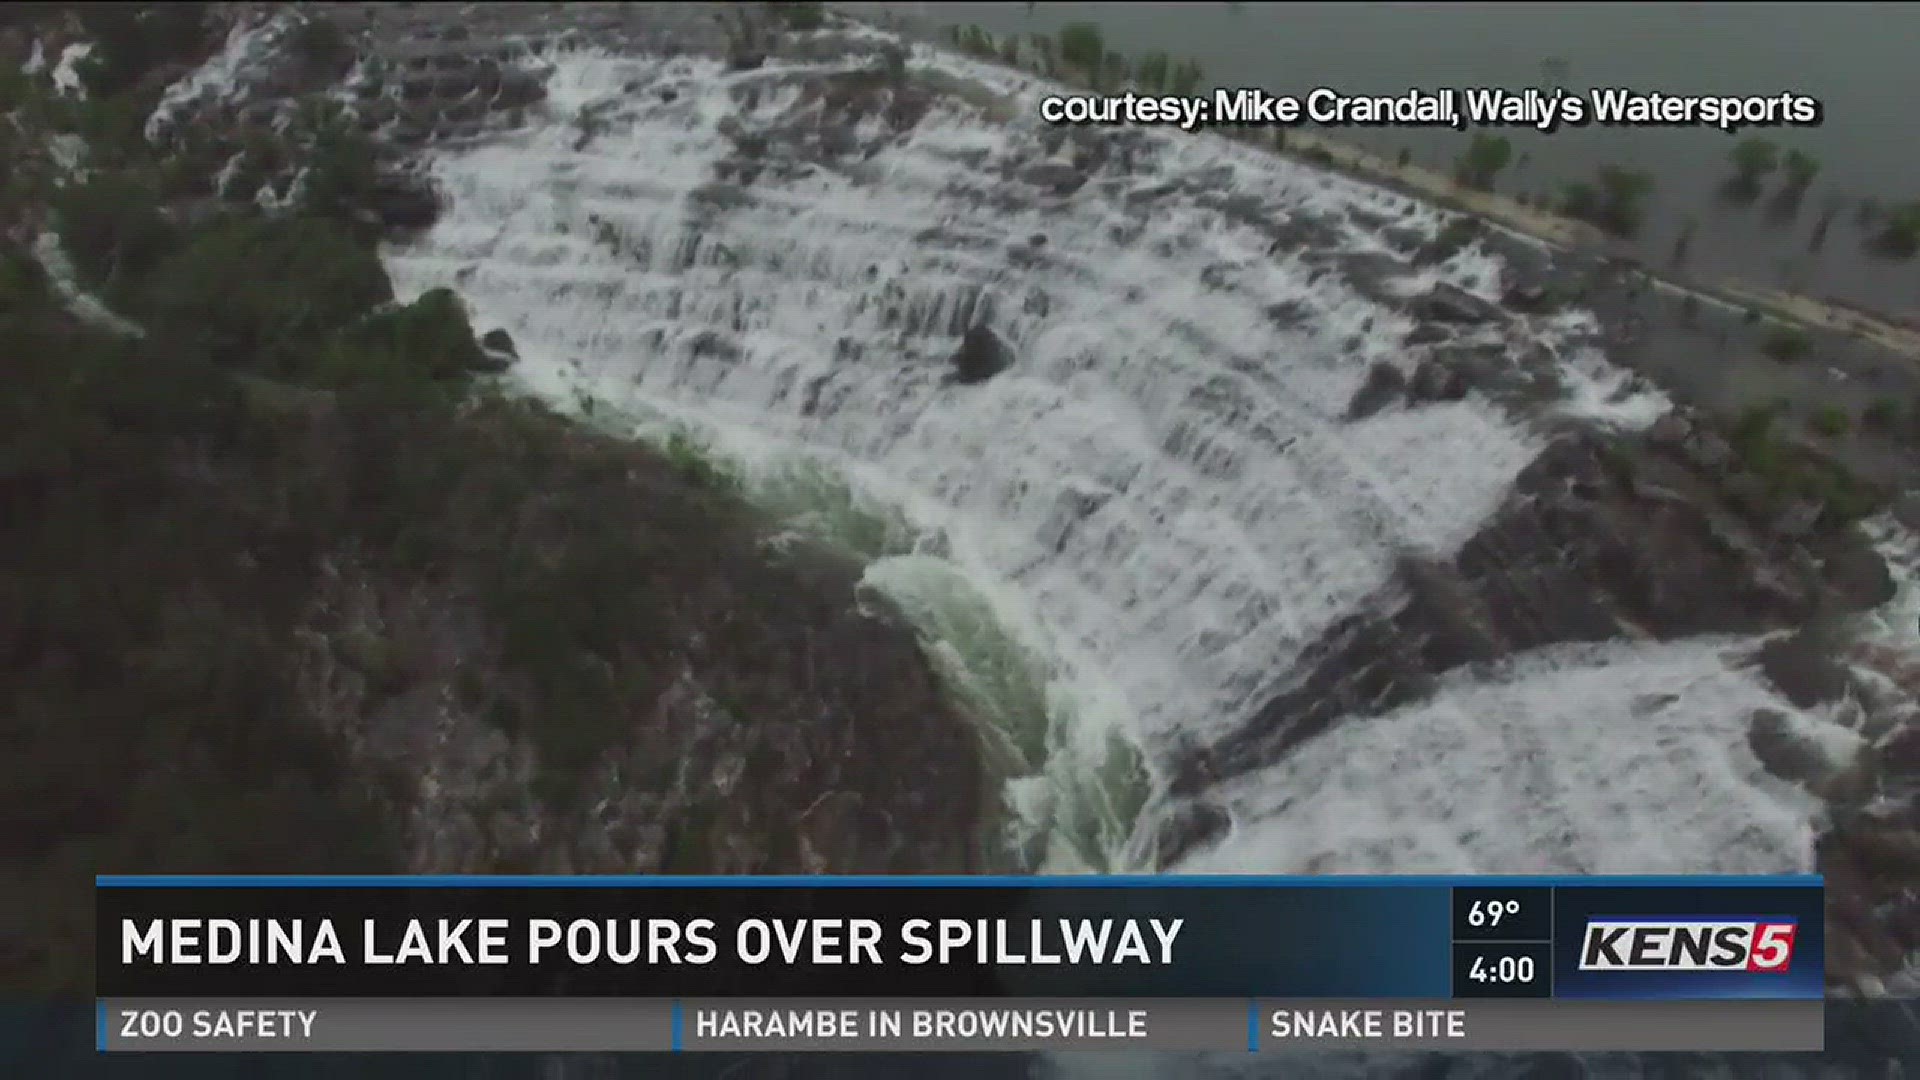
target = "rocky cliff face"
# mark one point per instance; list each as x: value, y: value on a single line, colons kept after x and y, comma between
x: 671, y: 690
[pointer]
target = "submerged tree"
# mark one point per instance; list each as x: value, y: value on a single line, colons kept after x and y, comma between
x: 1486, y: 155
x: 1683, y: 244
x: 1186, y: 77
x: 1801, y: 167
x: 1615, y: 201
x: 1081, y: 44
x: 1899, y: 235
x: 1152, y: 71
x: 1754, y: 159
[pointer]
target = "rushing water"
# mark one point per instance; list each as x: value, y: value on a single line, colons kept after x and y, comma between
x: 1856, y: 58
x: 1131, y: 534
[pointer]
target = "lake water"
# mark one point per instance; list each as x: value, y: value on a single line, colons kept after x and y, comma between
x: 1858, y: 59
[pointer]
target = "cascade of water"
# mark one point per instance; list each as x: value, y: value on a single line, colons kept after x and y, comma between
x: 1137, y: 526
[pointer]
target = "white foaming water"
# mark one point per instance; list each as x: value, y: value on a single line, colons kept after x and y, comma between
x: 1601, y: 759
x: 1156, y: 507
x: 228, y: 76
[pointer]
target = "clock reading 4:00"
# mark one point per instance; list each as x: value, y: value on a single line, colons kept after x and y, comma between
x: 1502, y: 969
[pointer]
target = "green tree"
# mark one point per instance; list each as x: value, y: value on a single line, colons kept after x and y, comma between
x: 257, y: 294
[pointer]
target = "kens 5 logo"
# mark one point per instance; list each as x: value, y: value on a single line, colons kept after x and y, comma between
x: 1757, y: 945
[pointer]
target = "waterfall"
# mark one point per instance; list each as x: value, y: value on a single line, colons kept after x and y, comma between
x: 1132, y: 532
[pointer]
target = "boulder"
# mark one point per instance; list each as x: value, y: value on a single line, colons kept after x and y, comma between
x: 1190, y: 825
x: 1789, y: 751
x: 1670, y: 430
x: 1798, y: 519
x: 1803, y: 668
x: 1451, y: 304
x: 1708, y: 451
x: 1435, y: 380
x: 498, y: 340
x: 1531, y: 299
x: 982, y: 355
x: 1385, y: 384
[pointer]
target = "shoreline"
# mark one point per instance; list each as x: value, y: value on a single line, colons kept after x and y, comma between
x: 1557, y: 231
x: 1580, y: 238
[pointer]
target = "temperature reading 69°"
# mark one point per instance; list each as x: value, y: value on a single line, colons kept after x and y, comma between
x: 1494, y: 913
x: 1489, y: 913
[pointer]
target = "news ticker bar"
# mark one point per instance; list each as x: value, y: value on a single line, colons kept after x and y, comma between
x: 608, y: 1025
x: 1412, y: 938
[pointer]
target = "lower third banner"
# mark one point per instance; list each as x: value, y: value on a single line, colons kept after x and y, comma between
x: 1161, y: 963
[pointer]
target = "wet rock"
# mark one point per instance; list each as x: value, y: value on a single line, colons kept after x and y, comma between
x: 1858, y: 575
x: 1906, y: 510
x: 1385, y: 384
x: 982, y: 355
x: 1530, y: 299
x: 1191, y: 825
x: 405, y: 202
x: 1059, y: 177
x: 1287, y: 314
x: 1787, y: 751
x: 1670, y: 430
x: 1899, y: 755
x: 1450, y: 303
x: 1436, y: 380
x: 1427, y: 334
x: 1745, y: 490
x: 1708, y: 451
x: 1599, y: 533
x: 499, y: 340
x: 1803, y: 668
x: 1798, y: 519
x: 1650, y: 492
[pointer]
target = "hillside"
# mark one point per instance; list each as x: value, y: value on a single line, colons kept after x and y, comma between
x: 291, y: 586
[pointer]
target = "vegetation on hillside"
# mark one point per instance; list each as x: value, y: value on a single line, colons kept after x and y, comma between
x: 198, y: 513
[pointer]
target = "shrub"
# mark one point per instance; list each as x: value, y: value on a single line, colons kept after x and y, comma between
x: 800, y: 14
x: 1884, y: 413
x: 131, y: 39
x: 1831, y: 421
x: 112, y: 229
x: 409, y: 349
x: 1787, y: 344
x: 258, y: 294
